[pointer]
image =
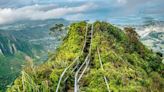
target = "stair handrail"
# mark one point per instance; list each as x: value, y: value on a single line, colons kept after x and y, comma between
x: 100, y: 61
x: 86, y: 60
x: 57, y: 89
x: 58, y: 85
x: 76, y: 74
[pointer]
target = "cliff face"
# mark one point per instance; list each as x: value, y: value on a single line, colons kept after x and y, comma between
x: 25, y: 38
x: 100, y: 59
x: 9, y: 45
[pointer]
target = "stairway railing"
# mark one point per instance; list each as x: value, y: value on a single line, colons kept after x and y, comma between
x: 57, y: 89
x: 86, y: 63
x: 76, y: 74
x: 105, y: 79
x: 76, y: 59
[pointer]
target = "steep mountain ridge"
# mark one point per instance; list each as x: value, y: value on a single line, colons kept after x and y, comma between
x: 25, y: 39
x: 32, y: 31
x: 9, y: 45
x: 127, y: 64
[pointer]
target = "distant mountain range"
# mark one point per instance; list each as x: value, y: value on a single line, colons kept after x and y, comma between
x: 22, y: 39
x: 28, y: 33
x: 153, y: 37
x: 151, y: 34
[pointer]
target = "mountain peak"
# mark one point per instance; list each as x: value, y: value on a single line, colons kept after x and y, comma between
x: 96, y: 57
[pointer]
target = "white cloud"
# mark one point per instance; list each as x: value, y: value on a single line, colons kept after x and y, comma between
x: 40, y: 12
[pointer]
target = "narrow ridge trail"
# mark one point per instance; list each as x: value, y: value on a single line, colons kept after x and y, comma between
x: 79, y: 68
x: 83, y: 67
x: 76, y: 61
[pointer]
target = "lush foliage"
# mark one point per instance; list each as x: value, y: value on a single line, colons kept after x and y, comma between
x: 128, y: 65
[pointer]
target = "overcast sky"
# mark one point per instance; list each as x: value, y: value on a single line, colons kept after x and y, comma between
x: 116, y: 11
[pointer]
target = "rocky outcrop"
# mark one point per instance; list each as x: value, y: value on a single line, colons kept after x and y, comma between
x: 10, y: 46
x: 1, y: 52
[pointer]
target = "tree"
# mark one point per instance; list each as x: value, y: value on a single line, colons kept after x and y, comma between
x: 57, y: 27
x: 58, y: 30
x: 132, y: 33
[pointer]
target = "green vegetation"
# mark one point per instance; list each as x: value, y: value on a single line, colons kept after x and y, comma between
x: 59, y: 31
x: 10, y: 68
x: 128, y: 65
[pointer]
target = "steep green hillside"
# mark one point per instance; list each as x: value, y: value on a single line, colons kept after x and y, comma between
x: 12, y: 53
x: 10, y: 68
x: 115, y: 59
x: 22, y: 39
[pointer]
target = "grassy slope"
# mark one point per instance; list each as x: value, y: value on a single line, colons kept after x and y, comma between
x: 128, y: 65
x: 9, y: 68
